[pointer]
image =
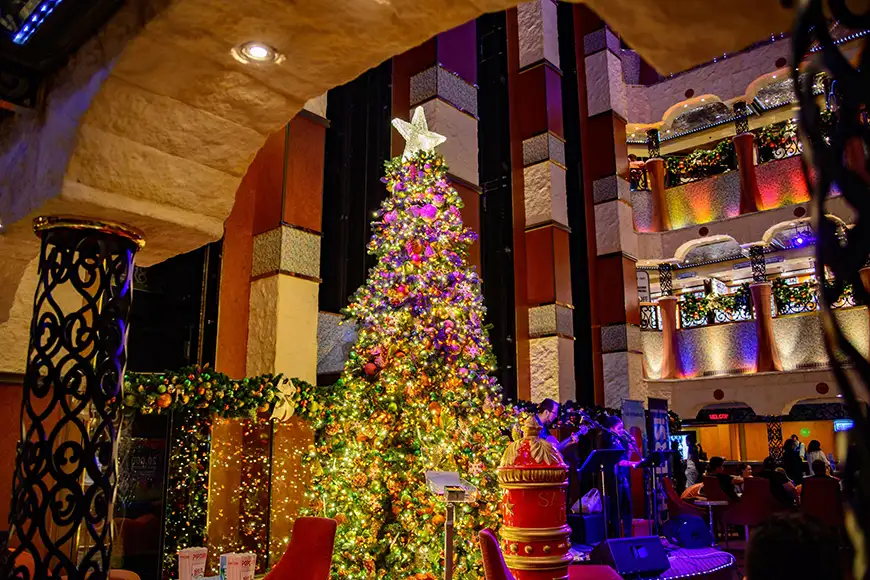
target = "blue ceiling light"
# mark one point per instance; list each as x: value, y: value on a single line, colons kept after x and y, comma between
x: 32, y: 20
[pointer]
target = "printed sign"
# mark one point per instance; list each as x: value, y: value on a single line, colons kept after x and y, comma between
x: 643, y: 286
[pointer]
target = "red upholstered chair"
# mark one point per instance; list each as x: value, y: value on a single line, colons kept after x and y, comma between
x: 676, y: 506
x: 494, y: 567
x: 592, y: 573
x: 712, y: 490
x: 821, y: 498
x: 756, y: 505
x: 309, y: 553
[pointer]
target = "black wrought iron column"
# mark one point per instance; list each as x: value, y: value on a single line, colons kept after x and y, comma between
x: 65, y: 472
x: 653, y: 143
x: 758, y: 264
x: 774, y: 438
x: 741, y: 117
x: 666, y: 280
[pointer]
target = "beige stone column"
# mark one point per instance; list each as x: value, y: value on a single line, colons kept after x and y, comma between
x: 670, y: 349
x: 767, y: 356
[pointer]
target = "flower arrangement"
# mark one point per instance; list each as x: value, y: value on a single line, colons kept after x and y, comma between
x: 793, y: 298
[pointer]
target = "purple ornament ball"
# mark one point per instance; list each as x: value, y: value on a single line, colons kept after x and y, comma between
x: 429, y: 211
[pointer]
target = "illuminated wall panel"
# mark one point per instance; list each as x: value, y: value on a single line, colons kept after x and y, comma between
x: 704, y: 201
x: 732, y: 347
x: 781, y: 183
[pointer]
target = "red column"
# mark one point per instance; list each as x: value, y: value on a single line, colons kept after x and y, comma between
x: 767, y: 357
x: 744, y: 148
x: 670, y: 350
x: 655, y: 174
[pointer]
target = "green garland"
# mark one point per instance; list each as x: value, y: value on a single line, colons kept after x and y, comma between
x: 211, y: 392
x: 700, y: 163
x: 694, y: 308
x: 794, y: 297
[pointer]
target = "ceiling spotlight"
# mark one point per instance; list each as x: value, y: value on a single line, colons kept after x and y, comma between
x: 799, y: 241
x: 256, y: 52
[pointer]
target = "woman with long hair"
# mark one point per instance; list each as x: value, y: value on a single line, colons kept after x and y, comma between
x: 815, y: 453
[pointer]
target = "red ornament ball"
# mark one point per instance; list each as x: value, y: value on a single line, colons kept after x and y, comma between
x: 370, y: 368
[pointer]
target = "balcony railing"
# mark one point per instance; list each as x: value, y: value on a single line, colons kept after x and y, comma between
x: 779, y: 141
x: 694, y: 311
x: 804, y: 297
x: 650, y: 318
x: 637, y: 179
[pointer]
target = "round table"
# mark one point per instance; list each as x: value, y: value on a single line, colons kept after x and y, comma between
x: 710, y: 504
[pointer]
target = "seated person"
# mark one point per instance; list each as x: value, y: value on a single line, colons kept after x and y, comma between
x: 692, y: 492
x: 745, y: 471
x: 726, y: 482
x: 820, y: 470
x: 792, y: 547
x: 781, y: 487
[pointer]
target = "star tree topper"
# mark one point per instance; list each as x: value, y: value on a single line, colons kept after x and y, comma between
x: 417, y: 134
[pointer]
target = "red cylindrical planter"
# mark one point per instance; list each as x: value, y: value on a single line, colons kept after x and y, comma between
x: 535, y: 535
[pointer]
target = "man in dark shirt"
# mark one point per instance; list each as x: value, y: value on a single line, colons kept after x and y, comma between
x: 726, y: 482
x: 781, y: 486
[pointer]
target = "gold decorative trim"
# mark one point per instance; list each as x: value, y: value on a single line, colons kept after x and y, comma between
x: 45, y: 223
x: 512, y: 534
x: 510, y: 476
x: 541, y: 450
x: 537, y: 563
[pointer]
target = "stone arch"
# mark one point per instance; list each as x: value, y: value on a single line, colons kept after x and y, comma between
x: 154, y: 123
x: 687, y: 248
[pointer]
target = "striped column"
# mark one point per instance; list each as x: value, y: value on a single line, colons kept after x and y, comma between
x: 285, y: 269
x: 440, y: 76
x: 605, y: 167
x: 548, y: 264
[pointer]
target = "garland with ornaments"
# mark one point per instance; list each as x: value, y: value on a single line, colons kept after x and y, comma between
x: 204, y: 390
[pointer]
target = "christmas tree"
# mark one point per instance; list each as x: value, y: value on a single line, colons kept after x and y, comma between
x: 415, y: 394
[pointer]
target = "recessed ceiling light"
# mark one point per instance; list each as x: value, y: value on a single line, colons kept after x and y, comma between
x: 256, y: 52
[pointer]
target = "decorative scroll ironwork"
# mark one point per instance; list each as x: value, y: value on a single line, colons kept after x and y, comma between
x: 650, y: 319
x: 637, y: 179
x: 735, y: 307
x: 778, y: 141
x: 65, y: 471
x: 741, y: 117
x: 838, y: 161
x: 774, y: 438
x: 794, y: 298
x: 847, y: 299
x: 653, y: 143
x: 756, y: 261
x: 666, y: 280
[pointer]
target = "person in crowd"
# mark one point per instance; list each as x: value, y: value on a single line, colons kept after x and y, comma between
x: 792, y: 547
x: 800, y: 447
x: 745, y: 471
x: 693, y: 473
x: 619, y: 503
x: 815, y: 453
x: 726, y: 482
x: 678, y: 467
x: 820, y: 470
x: 702, y: 455
x: 792, y: 462
x: 780, y: 486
